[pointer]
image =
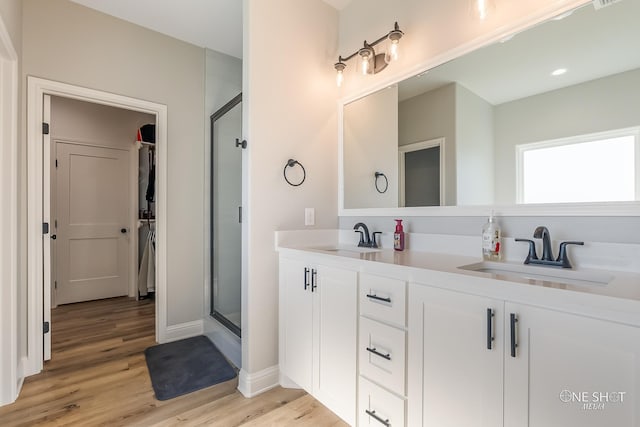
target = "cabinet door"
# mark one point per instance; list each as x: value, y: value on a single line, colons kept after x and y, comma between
x: 295, y: 323
x: 335, y: 302
x: 570, y: 370
x: 454, y: 379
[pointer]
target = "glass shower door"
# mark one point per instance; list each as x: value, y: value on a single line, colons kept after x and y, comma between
x: 226, y: 214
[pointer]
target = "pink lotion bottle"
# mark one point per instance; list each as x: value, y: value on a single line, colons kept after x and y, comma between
x: 398, y: 236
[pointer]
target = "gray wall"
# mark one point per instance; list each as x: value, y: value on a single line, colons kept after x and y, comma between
x: 371, y: 145
x: 428, y: 116
x: 67, y: 42
x: 474, y: 149
x: 299, y: 123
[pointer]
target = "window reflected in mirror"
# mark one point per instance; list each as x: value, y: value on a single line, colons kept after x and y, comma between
x: 585, y: 168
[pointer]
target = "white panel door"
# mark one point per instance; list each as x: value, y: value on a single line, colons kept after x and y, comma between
x: 92, y: 222
x: 570, y: 370
x: 455, y: 367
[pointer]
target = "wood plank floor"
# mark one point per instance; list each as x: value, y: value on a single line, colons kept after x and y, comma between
x: 98, y: 376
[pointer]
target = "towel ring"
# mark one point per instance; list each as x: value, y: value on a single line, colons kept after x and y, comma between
x: 386, y: 182
x: 291, y: 163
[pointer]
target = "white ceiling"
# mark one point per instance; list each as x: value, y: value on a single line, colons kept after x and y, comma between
x: 214, y: 24
x: 590, y: 44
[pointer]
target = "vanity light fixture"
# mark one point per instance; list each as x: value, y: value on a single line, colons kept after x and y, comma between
x: 370, y: 62
x: 481, y: 9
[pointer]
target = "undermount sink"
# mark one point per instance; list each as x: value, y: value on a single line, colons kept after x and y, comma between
x: 540, y: 273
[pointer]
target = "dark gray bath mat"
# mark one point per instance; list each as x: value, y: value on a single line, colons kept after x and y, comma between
x: 184, y: 366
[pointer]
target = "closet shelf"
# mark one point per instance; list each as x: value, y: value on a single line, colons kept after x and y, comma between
x: 143, y: 221
x: 140, y: 144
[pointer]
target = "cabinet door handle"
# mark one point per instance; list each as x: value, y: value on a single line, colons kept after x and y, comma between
x: 377, y: 353
x: 373, y: 415
x: 306, y: 278
x: 377, y: 298
x: 314, y: 279
x: 490, y: 336
x: 512, y: 320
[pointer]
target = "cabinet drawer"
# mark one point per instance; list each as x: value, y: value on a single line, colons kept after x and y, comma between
x: 383, y: 299
x: 377, y: 407
x: 381, y: 354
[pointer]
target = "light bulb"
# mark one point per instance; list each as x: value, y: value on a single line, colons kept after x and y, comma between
x: 367, y: 59
x: 339, y: 66
x: 339, y: 78
x: 364, y: 65
x: 481, y: 9
x: 392, y: 53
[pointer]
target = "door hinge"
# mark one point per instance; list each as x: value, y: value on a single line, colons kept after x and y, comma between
x: 45, y: 128
x: 56, y: 163
x: 45, y: 327
x: 45, y: 228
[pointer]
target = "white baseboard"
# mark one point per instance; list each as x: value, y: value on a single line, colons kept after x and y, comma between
x: 253, y: 384
x: 287, y: 383
x: 184, y: 330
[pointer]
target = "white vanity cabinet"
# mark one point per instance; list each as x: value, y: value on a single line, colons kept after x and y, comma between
x: 455, y: 358
x: 382, y: 362
x: 570, y: 370
x: 318, y: 332
x: 543, y: 366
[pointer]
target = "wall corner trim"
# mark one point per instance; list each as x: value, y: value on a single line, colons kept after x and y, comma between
x: 252, y: 384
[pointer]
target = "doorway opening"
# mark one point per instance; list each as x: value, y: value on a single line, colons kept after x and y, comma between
x: 83, y: 157
x: 421, y: 173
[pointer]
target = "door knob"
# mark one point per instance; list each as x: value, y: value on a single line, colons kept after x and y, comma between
x: 123, y: 230
x: 54, y: 237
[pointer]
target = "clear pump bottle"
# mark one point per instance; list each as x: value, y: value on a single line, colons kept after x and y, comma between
x: 491, y: 240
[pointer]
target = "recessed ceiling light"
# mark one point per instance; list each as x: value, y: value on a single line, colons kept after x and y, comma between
x: 559, y: 72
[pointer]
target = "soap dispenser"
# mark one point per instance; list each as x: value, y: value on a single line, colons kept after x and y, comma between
x: 398, y: 236
x: 491, y: 240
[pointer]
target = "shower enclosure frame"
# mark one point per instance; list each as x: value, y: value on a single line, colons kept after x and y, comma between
x: 221, y: 318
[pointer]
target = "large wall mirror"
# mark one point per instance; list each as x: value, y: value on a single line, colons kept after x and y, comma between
x: 550, y: 115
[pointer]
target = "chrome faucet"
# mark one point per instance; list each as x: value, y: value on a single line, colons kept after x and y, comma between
x: 365, y: 239
x: 547, y: 253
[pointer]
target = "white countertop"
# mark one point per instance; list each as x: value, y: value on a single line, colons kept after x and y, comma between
x: 618, y: 300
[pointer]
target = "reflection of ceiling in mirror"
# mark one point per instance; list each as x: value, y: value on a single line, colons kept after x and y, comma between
x: 590, y: 44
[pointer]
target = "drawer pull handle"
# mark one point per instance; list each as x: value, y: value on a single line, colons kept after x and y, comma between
x: 373, y: 415
x: 306, y: 278
x: 513, y: 320
x: 490, y: 337
x: 377, y: 298
x: 377, y: 353
x: 314, y: 279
